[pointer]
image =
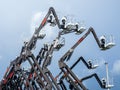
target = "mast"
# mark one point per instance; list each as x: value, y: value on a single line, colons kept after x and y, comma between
x: 107, y: 75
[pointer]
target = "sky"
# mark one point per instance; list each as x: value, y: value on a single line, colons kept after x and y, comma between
x: 18, y: 20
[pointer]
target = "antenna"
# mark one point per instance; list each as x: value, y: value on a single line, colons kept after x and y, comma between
x: 107, y: 76
x: 108, y: 86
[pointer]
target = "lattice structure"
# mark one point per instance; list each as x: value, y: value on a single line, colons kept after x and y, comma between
x: 39, y: 77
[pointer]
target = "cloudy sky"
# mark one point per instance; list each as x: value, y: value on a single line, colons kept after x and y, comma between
x: 19, y: 18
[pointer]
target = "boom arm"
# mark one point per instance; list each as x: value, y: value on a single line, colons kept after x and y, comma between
x: 96, y: 77
x: 80, y: 58
x: 83, y: 60
x: 67, y: 55
x: 33, y: 40
x: 47, y: 60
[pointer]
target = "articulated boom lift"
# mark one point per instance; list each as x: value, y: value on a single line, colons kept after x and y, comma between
x: 65, y: 69
x: 88, y: 64
x: 38, y: 76
x: 26, y: 54
x: 102, y: 83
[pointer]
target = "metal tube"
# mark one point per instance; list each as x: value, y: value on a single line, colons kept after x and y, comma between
x: 107, y: 76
